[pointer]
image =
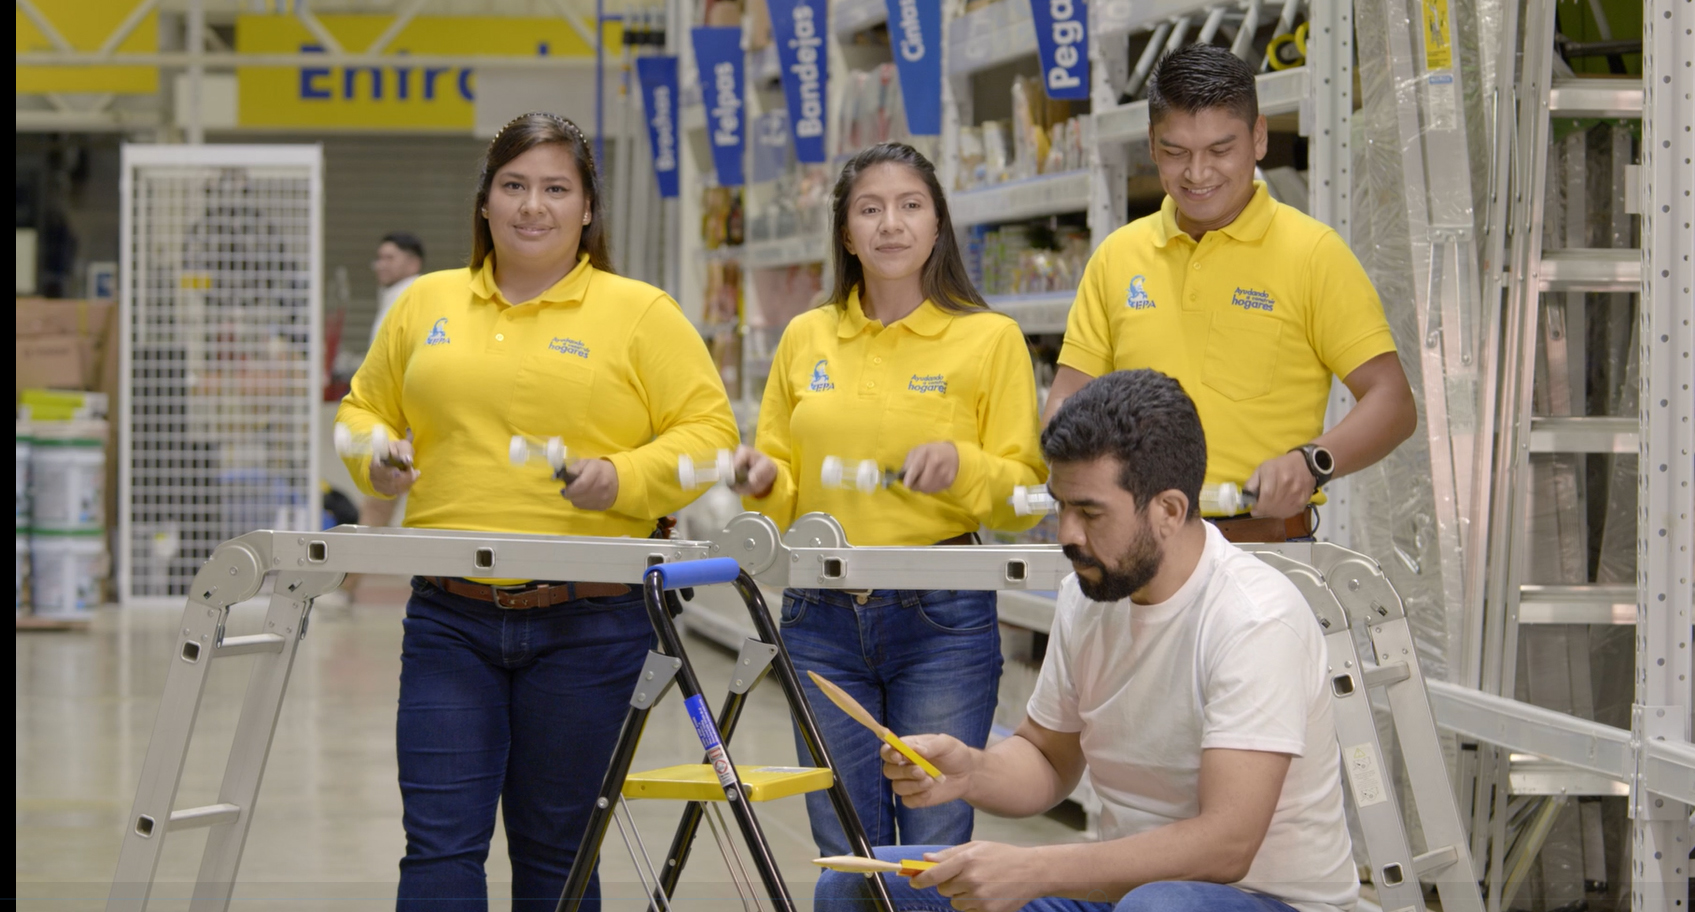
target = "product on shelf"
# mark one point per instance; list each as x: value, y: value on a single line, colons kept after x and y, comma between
x: 871, y: 111
x: 1044, y: 139
x: 1027, y: 259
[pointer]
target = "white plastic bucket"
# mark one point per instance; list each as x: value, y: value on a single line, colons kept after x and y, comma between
x: 23, y: 575
x: 24, y: 449
x: 67, y: 571
x: 68, y: 476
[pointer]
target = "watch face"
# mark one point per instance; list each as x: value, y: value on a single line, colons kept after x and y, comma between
x: 1321, y: 460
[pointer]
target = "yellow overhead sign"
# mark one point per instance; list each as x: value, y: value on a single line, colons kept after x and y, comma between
x: 85, y: 25
x: 396, y: 96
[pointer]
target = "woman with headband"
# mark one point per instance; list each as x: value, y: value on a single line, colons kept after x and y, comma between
x: 512, y: 692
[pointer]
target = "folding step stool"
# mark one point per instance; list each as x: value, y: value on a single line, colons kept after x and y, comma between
x: 1348, y: 591
x: 717, y: 778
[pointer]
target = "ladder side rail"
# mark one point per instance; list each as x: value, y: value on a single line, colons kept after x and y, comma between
x: 782, y: 667
x: 1415, y: 731
x: 1426, y: 258
x: 234, y: 572
x: 167, y: 750
x: 671, y: 643
x: 745, y: 678
x: 1359, y: 748
x: 657, y: 676
x: 1492, y: 254
x: 287, y: 616
x: 1504, y: 562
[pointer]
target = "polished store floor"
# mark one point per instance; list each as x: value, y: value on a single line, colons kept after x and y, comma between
x: 326, y: 834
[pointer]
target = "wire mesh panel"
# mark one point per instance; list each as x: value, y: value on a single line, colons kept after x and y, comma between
x: 222, y: 303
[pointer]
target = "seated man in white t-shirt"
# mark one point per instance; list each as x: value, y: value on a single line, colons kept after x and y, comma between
x: 1184, y: 674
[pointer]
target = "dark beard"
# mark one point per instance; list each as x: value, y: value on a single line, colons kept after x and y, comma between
x: 1133, y: 571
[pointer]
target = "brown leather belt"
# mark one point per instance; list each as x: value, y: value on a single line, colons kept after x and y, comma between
x: 1265, y: 529
x: 963, y: 538
x: 528, y: 595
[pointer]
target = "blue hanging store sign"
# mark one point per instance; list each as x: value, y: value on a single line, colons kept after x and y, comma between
x: 800, y: 30
x: 718, y: 51
x: 915, y: 37
x: 1062, y: 43
x: 658, y: 76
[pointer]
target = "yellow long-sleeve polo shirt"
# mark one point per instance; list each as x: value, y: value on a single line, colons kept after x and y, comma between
x: 609, y: 364
x: 847, y: 386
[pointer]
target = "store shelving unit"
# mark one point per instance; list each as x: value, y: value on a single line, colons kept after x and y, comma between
x: 1031, y: 197
x: 1036, y: 313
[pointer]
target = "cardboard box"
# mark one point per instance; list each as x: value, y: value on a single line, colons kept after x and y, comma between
x: 60, y: 361
x: 50, y: 317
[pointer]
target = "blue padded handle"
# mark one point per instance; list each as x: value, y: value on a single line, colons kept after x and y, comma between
x: 707, y: 572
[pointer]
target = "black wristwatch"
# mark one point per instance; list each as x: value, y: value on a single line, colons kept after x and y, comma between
x: 1320, y: 463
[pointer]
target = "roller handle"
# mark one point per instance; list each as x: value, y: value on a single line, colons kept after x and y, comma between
x: 708, y: 572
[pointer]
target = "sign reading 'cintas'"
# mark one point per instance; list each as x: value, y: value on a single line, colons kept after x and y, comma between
x: 718, y: 51
x: 1062, y: 43
x: 915, y: 37
x: 799, y: 28
x: 658, y: 76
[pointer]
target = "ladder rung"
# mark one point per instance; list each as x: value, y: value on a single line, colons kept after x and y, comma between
x: 1384, y: 675
x: 1583, y: 435
x: 1530, y: 775
x: 1434, y: 860
x: 1595, y: 98
x: 247, y: 645
x: 210, y: 815
x: 697, y: 782
x: 1591, y: 269
x: 1586, y: 604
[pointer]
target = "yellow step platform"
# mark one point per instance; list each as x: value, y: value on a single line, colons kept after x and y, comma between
x: 696, y: 782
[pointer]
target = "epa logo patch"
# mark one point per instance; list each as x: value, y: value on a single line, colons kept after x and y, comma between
x: 821, y: 377
x: 438, y: 333
x: 1138, y: 298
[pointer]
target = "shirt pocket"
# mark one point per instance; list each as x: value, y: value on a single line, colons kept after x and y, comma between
x: 553, y: 396
x: 912, y: 419
x: 1241, y: 354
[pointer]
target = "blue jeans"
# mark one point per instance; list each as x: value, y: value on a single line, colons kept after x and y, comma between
x: 920, y: 662
x: 839, y: 892
x: 516, y: 707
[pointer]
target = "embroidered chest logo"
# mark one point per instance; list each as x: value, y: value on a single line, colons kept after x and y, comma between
x: 438, y: 333
x: 1138, y: 298
x: 928, y: 383
x: 1253, y: 299
x: 569, y: 347
x: 821, y: 377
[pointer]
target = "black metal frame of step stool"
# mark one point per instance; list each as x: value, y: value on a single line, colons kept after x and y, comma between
x: 670, y: 664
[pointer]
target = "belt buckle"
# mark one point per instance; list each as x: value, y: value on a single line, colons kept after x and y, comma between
x: 499, y: 591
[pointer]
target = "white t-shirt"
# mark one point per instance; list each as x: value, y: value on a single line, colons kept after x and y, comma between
x: 385, y: 301
x: 1234, y: 660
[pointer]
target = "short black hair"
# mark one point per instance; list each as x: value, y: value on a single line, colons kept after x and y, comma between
x: 1196, y: 77
x: 1143, y: 419
x: 406, y: 241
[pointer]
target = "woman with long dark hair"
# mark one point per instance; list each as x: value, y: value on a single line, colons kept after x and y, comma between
x: 512, y: 691
x: 906, y: 368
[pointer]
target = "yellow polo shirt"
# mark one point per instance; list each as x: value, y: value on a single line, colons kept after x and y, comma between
x: 608, y: 363
x: 1253, y: 320
x: 847, y: 386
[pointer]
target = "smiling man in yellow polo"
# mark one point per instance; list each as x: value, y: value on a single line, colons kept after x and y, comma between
x: 1250, y: 304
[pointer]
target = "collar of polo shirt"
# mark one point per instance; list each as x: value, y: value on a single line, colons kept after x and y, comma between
x: 568, y: 290
x: 928, y: 320
x: 1250, y: 224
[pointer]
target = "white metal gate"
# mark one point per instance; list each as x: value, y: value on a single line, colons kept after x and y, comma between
x: 221, y: 296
